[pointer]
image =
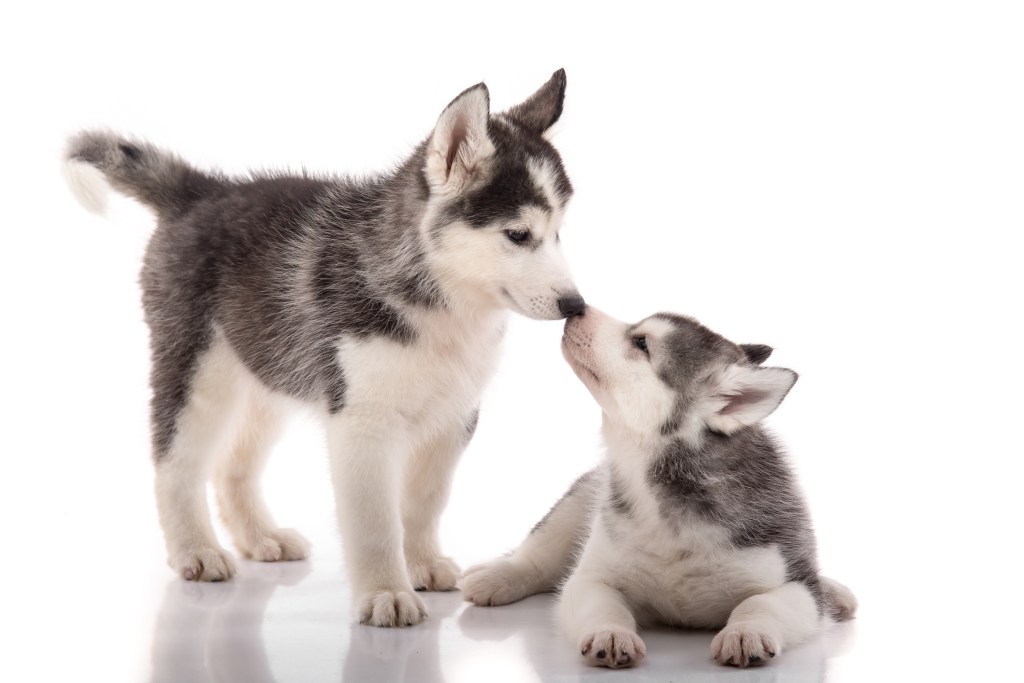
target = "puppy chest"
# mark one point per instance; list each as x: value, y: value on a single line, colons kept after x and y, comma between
x: 692, y: 582
x: 425, y: 378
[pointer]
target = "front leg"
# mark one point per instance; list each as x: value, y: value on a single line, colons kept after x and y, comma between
x: 762, y: 625
x: 428, y: 478
x: 367, y: 447
x: 597, y: 617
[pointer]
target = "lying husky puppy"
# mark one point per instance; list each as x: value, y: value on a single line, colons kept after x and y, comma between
x: 694, y: 518
x: 380, y: 302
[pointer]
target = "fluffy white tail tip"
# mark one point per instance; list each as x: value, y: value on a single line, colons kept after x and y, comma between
x: 88, y: 185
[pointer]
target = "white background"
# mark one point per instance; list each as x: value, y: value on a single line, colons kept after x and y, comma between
x: 843, y: 183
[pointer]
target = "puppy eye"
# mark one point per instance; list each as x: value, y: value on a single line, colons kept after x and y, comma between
x: 518, y: 236
x: 640, y: 342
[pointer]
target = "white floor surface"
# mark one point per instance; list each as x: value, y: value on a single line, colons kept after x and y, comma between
x: 291, y: 622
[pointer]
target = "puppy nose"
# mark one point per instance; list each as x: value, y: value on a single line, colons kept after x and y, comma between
x: 571, y: 305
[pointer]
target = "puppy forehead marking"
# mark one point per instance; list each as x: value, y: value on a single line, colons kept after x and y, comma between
x: 543, y: 176
x: 539, y: 219
x: 659, y: 327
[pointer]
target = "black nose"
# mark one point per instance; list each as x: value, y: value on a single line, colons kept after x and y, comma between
x: 571, y: 305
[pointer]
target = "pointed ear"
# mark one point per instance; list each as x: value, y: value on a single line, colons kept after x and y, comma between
x: 745, y: 395
x: 541, y: 109
x: 757, y: 353
x: 459, y: 143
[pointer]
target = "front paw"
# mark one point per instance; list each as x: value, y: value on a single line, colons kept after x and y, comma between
x: 433, y: 574
x: 743, y: 645
x: 208, y: 563
x: 496, y: 583
x: 388, y: 608
x: 614, y: 649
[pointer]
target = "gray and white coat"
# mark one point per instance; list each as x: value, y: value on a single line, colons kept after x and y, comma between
x: 693, y: 519
x: 378, y: 303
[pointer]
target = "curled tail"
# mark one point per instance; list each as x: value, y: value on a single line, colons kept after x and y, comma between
x: 96, y: 160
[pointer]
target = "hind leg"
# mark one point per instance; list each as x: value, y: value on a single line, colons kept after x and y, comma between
x: 237, y: 485
x: 762, y: 625
x: 544, y: 558
x: 189, y: 434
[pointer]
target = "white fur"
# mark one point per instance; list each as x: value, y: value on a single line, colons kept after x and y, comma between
x: 620, y: 379
x: 763, y: 624
x: 544, y: 177
x: 529, y: 281
x: 401, y: 434
x: 88, y: 185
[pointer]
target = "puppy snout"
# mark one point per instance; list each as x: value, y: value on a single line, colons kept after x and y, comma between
x: 571, y: 305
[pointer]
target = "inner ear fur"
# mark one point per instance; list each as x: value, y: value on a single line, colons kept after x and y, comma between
x: 459, y: 144
x: 746, y: 395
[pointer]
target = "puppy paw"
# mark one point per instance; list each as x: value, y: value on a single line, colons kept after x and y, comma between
x: 203, y: 564
x: 387, y: 608
x: 433, y: 574
x: 499, y: 582
x: 278, y: 545
x: 840, y: 599
x: 743, y: 645
x: 614, y: 649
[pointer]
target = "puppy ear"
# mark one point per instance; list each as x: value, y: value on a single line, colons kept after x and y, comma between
x: 541, y: 109
x: 757, y: 353
x: 459, y: 143
x: 744, y: 396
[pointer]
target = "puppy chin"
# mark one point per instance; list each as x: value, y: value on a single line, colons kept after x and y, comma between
x: 586, y: 375
x: 536, y: 315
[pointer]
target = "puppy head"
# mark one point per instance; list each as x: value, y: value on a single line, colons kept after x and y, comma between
x: 497, y: 194
x: 668, y: 375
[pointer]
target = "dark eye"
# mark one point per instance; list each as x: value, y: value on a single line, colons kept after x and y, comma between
x: 518, y: 236
x: 640, y: 342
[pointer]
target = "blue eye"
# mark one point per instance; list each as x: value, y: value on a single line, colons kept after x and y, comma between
x: 518, y: 236
x: 640, y: 342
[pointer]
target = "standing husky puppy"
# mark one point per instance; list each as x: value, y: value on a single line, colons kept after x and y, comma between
x: 694, y: 519
x: 380, y: 302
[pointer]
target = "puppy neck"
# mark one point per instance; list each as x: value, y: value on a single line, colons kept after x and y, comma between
x: 626, y: 445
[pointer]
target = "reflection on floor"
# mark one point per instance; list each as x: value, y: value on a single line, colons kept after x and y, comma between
x: 292, y: 622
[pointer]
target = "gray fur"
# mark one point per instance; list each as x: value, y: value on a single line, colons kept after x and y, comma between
x: 511, y: 186
x: 544, y: 107
x: 582, y: 492
x: 757, y: 353
x: 285, y: 264
x: 739, y: 481
x: 743, y: 483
